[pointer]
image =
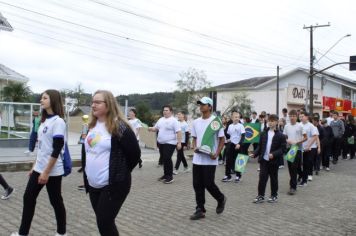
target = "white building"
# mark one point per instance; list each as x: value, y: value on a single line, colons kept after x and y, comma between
x: 331, y: 92
x: 7, y: 75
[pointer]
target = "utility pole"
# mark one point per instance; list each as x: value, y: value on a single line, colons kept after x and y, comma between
x: 277, y: 95
x: 311, y: 72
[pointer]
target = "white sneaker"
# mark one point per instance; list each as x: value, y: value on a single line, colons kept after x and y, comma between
x: 57, y: 234
x: 16, y: 234
x: 175, y: 172
x: 281, y: 167
x: 27, y: 152
x: 186, y: 169
x: 310, y: 178
x: 258, y: 169
x: 221, y: 162
x: 327, y: 168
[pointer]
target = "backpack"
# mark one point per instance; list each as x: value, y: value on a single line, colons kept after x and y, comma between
x: 67, y: 160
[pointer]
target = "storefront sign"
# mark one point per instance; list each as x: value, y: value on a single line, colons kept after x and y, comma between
x: 297, y: 95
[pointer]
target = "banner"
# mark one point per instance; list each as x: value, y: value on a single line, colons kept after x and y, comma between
x: 209, y: 138
x: 292, y: 153
x: 252, y: 132
x: 240, y: 163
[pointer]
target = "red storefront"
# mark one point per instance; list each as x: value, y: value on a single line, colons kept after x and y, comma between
x: 343, y: 106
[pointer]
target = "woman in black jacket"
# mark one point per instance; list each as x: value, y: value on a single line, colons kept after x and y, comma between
x: 111, y: 152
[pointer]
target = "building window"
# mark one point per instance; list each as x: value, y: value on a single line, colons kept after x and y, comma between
x: 346, y: 93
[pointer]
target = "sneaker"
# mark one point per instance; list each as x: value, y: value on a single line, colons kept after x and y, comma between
x: 310, y: 178
x: 198, y: 214
x: 186, y: 169
x: 80, y: 170
x: 322, y: 167
x: 162, y: 178
x: 259, y: 199
x: 57, y: 234
x: 237, y: 179
x: 327, y: 169
x: 27, y: 152
x: 291, y: 191
x: 7, y: 193
x: 140, y: 165
x: 175, y: 172
x: 258, y: 169
x: 316, y: 172
x: 302, y: 184
x: 168, y: 180
x: 226, y: 179
x: 16, y: 234
x: 221, y: 162
x: 281, y: 167
x: 81, y: 187
x: 273, y: 199
x: 221, y: 206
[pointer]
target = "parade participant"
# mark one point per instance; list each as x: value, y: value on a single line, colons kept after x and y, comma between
x: 271, y: 148
x: 8, y: 189
x: 169, y: 138
x: 112, y: 151
x: 33, y: 136
x: 48, y: 168
x: 180, y: 152
x: 338, y: 131
x: 295, y: 135
x: 207, y: 129
x: 136, y: 125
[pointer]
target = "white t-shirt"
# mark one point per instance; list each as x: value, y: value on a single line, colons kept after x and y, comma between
x: 235, y: 131
x: 198, y: 128
x: 52, y: 127
x: 184, y: 128
x: 269, y: 144
x: 167, y: 130
x: 136, y: 124
x: 294, y: 132
x: 310, y: 130
x: 329, y: 119
x: 287, y: 119
x: 97, y: 148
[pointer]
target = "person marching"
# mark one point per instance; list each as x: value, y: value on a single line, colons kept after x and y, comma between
x: 295, y: 135
x: 237, y: 135
x: 8, y: 189
x: 204, y: 163
x: 136, y: 125
x: 271, y: 148
x: 169, y: 138
x: 112, y: 151
x: 34, y: 133
x: 48, y: 168
x: 180, y: 152
x: 338, y: 129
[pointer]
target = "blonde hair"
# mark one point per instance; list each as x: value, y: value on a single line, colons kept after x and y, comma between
x: 113, y: 116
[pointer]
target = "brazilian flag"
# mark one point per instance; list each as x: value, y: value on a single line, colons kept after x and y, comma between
x: 292, y: 153
x: 252, y: 132
x: 240, y: 163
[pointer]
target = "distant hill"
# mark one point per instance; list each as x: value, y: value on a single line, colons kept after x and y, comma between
x: 154, y: 101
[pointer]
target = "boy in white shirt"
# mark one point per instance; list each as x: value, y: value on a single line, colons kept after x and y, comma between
x: 136, y: 126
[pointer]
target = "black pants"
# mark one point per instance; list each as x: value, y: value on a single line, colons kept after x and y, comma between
x: 203, y: 178
x: 325, y: 153
x: 33, y: 140
x: 181, y: 158
x: 348, y: 148
x: 222, y: 156
x: 167, y: 151
x: 106, y: 205
x: 293, y: 170
x: 54, y: 190
x: 308, y: 163
x: 268, y: 169
x: 3, y: 182
x: 231, y: 159
x: 336, y: 148
x: 160, y: 160
x: 316, y: 161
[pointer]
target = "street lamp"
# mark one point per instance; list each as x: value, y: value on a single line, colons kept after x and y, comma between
x: 345, y: 36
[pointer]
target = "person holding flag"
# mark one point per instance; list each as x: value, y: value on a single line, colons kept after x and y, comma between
x: 237, y: 135
x: 295, y: 135
x: 270, y: 149
x: 208, y: 141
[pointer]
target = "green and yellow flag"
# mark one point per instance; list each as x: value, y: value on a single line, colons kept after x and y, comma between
x: 240, y: 163
x: 292, y: 153
x: 252, y: 132
x: 208, y: 140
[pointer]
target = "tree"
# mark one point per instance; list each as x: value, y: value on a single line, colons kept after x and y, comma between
x: 16, y: 92
x: 240, y: 102
x: 192, y: 85
x: 144, y: 113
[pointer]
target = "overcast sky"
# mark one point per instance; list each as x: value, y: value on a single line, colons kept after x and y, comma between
x: 141, y: 46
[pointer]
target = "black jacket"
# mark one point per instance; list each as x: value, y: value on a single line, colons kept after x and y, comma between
x: 124, y: 155
x: 278, y: 146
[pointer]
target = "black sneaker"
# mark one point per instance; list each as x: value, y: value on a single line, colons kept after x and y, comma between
x: 259, y: 199
x: 7, y: 193
x: 221, y: 206
x: 163, y: 178
x: 226, y: 179
x: 291, y: 191
x: 273, y: 199
x: 81, y: 187
x: 302, y: 184
x: 168, y: 180
x: 198, y: 214
x: 80, y: 170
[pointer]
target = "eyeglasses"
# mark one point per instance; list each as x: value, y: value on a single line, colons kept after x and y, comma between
x: 97, y: 102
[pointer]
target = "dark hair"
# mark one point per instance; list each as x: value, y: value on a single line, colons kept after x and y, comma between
x: 254, y: 113
x: 273, y: 117
x: 335, y: 113
x: 350, y: 119
x: 134, y: 111
x: 293, y: 113
x: 167, y: 106
x: 304, y: 113
x: 182, y: 112
x: 315, y: 118
x: 56, y: 104
x: 284, y: 110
